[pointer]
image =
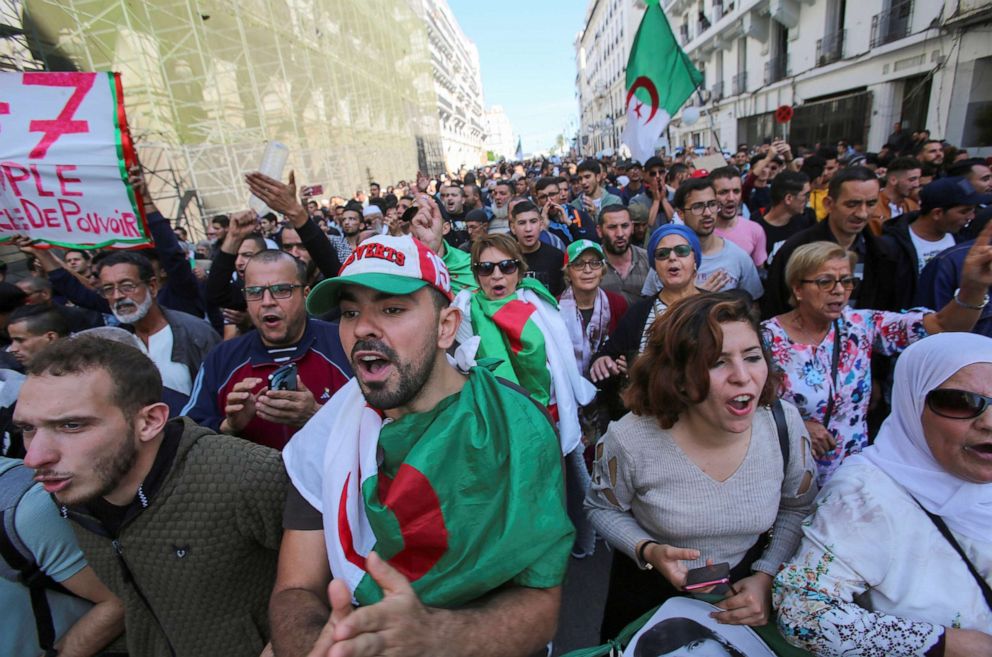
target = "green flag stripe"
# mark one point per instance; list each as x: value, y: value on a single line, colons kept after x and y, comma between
x: 656, y: 56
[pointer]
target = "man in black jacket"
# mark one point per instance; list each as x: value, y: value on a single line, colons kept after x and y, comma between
x: 851, y: 197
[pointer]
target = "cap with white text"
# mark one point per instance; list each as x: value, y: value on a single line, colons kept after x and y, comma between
x: 397, y: 265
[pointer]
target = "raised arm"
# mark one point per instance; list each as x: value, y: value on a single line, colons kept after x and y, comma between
x: 976, y: 276
x: 282, y: 198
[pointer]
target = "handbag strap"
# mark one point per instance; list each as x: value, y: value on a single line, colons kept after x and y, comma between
x: 946, y: 533
x: 834, y: 365
x: 782, y: 429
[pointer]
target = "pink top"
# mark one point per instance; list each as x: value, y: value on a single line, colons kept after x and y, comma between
x: 749, y: 236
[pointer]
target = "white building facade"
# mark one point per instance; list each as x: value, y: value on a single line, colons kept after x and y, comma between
x: 458, y: 85
x: 851, y: 70
x: 499, y: 133
x: 601, y: 52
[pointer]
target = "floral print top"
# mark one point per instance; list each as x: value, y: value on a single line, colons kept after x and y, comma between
x: 873, y: 576
x: 806, y: 380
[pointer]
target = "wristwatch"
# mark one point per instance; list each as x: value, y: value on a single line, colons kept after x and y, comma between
x: 969, y: 306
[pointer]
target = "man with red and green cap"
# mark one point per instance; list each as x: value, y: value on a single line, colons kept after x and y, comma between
x: 434, y: 490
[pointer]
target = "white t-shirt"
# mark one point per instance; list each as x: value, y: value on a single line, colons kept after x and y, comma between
x: 927, y: 250
x: 174, y: 375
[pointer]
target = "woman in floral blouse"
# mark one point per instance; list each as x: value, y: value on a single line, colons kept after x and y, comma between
x: 823, y: 348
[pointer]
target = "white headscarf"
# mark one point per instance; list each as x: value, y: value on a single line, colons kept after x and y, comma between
x: 901, y: 449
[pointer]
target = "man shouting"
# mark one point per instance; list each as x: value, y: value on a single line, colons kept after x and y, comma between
x: 435, y: 493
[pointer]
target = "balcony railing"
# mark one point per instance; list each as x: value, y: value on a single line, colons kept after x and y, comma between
x: 830, y: 48
x: 893, y: 24
x: 716, y: 92
x: 684, y: 33
x: 718, y: 11
x: 740, y: 83
x: 776, y: 69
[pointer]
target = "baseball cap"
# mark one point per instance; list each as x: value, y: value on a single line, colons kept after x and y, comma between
x: 578, y: 247
x: 950, y: 192
x: 392, y: 264
x: 699, y: 173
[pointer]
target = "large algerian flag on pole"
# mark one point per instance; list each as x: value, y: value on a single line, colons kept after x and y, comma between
x: 660, y: 78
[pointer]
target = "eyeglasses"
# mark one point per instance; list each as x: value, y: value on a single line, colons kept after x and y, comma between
x: 828, y: 283
x: 127, y: 289
x: 278, y: 291
x: 656, y: 172
x: 591, y: 265
x: 507, y: 267
x: 543, y: 196
x: 681, y: 250
x: 698, y: 209
x: 957, y: 404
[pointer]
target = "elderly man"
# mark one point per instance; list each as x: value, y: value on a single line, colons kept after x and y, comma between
x: 439, y: 564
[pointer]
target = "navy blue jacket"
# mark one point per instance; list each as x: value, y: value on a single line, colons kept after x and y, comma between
x: 322, y: 366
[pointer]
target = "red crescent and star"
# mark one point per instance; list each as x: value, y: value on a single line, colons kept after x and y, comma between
x: 643, y: 82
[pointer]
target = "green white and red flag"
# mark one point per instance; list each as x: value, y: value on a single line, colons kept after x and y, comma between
x: 526, y: 333
x: 460, y: 499
x: 660, y: 78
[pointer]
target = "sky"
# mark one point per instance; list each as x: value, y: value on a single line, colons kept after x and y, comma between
x: 527, y: 58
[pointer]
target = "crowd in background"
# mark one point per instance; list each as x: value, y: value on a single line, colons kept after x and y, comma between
x: 741, y: 364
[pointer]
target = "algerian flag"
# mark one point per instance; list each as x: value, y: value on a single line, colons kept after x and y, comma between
x: 526, y: 333
x: 461, y: 499
x: 660, y: 78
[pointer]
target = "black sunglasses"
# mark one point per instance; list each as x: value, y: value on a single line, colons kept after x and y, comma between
x: 957, y: 404
x: 507, y: 267
x: 681, y: 250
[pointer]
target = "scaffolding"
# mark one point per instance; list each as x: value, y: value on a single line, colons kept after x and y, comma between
x: 345, y: 84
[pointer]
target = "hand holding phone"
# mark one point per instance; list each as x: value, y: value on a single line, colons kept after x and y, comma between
x: 284, y: 378
x: 715, y: 577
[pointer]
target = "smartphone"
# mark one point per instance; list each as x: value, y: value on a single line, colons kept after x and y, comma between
x: 314, y: 190
x: 716, y: 575
x: 284, y: 378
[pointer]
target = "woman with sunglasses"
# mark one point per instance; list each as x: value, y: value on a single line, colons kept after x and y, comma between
x: 590, y: 313
x: 677, y: 255
x: 823, y: 347
x: 515, y: 320
x: 896, y: 558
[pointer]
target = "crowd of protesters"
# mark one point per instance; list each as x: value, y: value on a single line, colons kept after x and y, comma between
x: 383, y: 425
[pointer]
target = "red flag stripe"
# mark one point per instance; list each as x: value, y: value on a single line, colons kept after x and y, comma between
x: 512, y: 318
x: 417, y: 508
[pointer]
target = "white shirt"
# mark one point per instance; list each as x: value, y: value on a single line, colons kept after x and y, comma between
x: 874, y: 575
x: 175, y: 376
x: 927, y: 250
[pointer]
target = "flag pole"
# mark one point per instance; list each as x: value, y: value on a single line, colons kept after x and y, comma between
x: 716, y: 136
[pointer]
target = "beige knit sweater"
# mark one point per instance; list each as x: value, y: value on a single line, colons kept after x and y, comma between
x: 645, y: 487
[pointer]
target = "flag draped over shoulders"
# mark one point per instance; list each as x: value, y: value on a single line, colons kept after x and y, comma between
x: 526, y: 333
x: 460, y: 499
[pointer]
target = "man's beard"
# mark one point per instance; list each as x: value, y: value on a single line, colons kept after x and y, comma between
x: 611, y: 246
x: 501, y: 213
x: 139, y: 312
x: 413, y: 376
x: 109, y: 470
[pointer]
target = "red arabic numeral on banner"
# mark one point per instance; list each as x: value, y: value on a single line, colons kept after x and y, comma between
x: 64, y: 123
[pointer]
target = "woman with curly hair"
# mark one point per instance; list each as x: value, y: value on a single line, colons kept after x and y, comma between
x: 696, y: 471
